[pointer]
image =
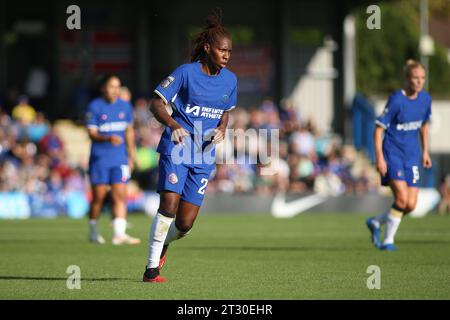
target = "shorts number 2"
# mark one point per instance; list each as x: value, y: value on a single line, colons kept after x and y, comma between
x: 204, y: 181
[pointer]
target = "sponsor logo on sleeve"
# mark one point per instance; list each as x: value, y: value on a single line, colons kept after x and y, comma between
x: 167, y: 81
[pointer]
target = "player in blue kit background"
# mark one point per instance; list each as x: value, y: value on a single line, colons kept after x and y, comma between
x: 201, y: 93
x: 399, y: 154
x: 110, y: 126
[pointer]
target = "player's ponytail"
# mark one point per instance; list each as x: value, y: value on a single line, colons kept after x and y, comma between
x: 410, y: 65
x: 212, y: 32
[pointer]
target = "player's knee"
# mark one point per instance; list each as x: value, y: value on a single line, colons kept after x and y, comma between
x: 168, y: 209
x: 410, y: 207
x: 169, y: 205
x: 119, y: 197
x: 184, y: 227
x: 401, y: 202
x: 97, y: 201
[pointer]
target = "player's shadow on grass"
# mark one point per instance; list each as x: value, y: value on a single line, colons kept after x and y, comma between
x: 37, y: 241
x: 262, y: 248
x: 425, y: 242
x: 58, y: 278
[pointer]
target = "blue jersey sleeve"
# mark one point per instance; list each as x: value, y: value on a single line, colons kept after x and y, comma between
x: 233, y: 100
x: 92, y: 118
x: 390, y: 112
x: 428, y: 113
x: 169, y: 87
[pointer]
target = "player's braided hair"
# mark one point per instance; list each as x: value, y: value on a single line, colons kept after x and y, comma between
x: 212, y: 33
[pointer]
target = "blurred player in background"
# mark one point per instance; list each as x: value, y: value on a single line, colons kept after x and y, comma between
x: 399, y: 154
x: 110, y: 125
x: 201, y: 92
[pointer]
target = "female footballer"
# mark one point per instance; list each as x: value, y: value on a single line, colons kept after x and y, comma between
x: 399, y: 154
x: 201, y: 93
x: 110, y: 126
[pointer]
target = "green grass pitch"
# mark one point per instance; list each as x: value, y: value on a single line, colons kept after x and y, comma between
x: 311, y: 256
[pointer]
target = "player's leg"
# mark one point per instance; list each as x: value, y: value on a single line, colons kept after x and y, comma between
x: 169, y: 206
x: 183, y: 223
x: 412, y: 177
x: 118, y: 178
x: 375, y: 223
x: 191, y: 200
x: 99, y: 192
x: 159, y: 229
x: 400, y: 190
x: 171, y: 182
x: 413, y: 193
x: 119, y: 208
x: 98, y: 176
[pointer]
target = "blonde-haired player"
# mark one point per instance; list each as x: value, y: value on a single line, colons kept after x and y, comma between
x: 400, y: 153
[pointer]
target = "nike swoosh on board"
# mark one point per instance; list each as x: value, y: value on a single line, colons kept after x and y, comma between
x: 282, y: 209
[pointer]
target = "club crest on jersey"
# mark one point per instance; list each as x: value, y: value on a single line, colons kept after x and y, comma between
x: 225, y: 97
x: 121, y: 115
x: 399, y: 173
x: 173, y: 178
x: 167, y: 81
x: 104, y: 117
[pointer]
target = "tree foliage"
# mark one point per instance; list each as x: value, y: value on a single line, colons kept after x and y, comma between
x: 382, y: 53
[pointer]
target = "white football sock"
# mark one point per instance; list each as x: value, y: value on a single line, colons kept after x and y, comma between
x: 174, y: 233
x: 93, y: 230
x: 158, y: 233
x: 392, y: 225
x: 119, y: 226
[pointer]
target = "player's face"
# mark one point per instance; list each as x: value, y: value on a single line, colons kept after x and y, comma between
x: 111, y: 90
x: 220, y: 53
x: 416, y: 79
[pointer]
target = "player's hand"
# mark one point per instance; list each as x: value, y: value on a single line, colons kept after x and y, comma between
x: 219, y: 135
x: 178, y: 134
x: 426, y: 161
x: 381, y: 166
x: 115, y: 140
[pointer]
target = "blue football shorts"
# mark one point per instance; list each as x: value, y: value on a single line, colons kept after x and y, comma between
x: 398, y: 169
x: 104, y: 173
x: 187, y: 180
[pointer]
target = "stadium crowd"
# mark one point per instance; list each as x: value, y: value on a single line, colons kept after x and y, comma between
x: 33, y: 157
x: 308, y: 160
x: 33, y: 161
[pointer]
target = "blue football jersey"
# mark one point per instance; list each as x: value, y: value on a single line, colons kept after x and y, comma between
x: 198, y: 101
x: 402, y: 119
x: 109, y: 119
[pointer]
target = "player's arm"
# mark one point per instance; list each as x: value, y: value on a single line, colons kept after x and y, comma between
x: 219, y: 132
x: 426, y: 160
x: 95, y: 136
x: 92, y: 124
x: 378, y: 141
x: 382, y: 123
x: 131, y: 146
x: 158, y: 108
